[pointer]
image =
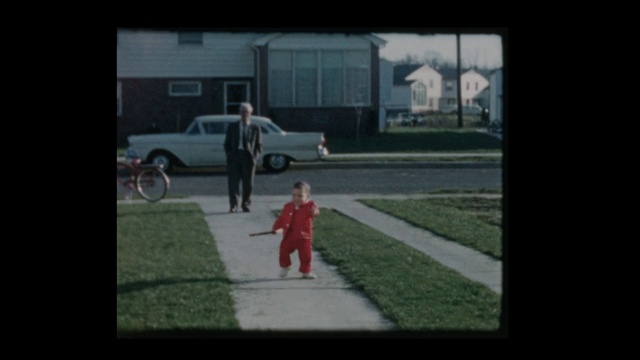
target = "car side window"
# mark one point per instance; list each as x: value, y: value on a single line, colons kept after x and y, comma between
x: 195, y: 129
x: 214, y: 128
x: 264, y: 129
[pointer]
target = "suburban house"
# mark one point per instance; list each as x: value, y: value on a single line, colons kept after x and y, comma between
x: 325, y: 82
x: 400, y: 99
x: 473, y: 86
x: 421, y: 88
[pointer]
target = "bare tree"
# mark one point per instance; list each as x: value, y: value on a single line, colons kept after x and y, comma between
x: 433, y: 59
x: 471, y: 59
x: 409, y: 59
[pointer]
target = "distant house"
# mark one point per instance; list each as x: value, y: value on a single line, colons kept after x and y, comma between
x: 421, y: 88
x: 303, y: 81
x: 473, y: 85
x: 426, y: 89
x: 400, y: 100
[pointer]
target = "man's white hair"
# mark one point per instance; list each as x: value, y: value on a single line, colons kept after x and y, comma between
x: 246, y: 105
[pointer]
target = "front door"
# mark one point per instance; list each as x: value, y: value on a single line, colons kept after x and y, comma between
x: 235, y: 92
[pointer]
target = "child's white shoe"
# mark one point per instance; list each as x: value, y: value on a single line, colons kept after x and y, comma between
x: 284, y: 272
x: 308, y: 276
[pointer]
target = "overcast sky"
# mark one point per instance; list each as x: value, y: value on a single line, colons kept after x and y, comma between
x: 483, y: 50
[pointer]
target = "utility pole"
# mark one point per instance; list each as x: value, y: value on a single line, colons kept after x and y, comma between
x: 459, y: 80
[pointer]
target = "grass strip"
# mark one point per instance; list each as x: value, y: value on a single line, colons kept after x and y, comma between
x: 414, y: 291
x: 169, y: 273
x: 475, y: 222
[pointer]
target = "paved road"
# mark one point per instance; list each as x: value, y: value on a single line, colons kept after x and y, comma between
x: 348, y: 181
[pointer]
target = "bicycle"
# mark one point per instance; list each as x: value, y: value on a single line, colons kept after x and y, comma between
x: 148, y: 180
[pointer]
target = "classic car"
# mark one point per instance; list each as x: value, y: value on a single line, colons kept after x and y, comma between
x: 201, y: 144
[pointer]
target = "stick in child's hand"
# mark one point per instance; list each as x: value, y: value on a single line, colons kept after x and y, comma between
x: 262, y: 233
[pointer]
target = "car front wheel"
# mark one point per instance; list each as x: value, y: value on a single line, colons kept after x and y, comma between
x: 276, y: 162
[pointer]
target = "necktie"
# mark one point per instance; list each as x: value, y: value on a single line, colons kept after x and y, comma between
x: 244, y: 136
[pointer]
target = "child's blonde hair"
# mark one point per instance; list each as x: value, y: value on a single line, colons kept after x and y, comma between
x: 303, y: 185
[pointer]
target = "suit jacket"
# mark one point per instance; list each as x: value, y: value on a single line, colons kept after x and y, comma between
x: 254, y: 139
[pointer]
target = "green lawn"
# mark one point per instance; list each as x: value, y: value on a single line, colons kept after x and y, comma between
x: 170, y: 276
x: 410, y: 288
x: 417, y: 140
x: 475, y: 222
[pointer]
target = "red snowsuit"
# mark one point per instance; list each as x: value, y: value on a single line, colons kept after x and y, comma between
x: 297, y: 234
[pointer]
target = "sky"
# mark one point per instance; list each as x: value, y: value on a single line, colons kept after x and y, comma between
x: 483, y: 50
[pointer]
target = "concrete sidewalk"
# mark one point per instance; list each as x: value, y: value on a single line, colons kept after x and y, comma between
x: 264, y: 301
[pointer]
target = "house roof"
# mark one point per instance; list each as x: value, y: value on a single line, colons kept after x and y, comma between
x: 452, y: 73
x: 263, y: 40
x: 402, y: 71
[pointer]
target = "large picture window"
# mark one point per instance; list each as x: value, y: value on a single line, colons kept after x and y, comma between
x: 419, y: 94
x: 332, y: 79
x: 281, y: 78
x: 319, y: 78
x: 306, y: 78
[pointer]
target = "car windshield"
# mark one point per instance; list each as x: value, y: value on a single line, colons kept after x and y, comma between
x: 273, y: 127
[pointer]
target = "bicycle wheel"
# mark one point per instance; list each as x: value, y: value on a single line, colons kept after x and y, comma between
x: 125, y: 181
x: 152, y: 184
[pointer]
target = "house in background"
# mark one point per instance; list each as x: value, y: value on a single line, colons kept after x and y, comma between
x: 302, y: 81
x: 400, y: 100
x: 473, y: 84
x: 421, y: 88
x: 426, y: 85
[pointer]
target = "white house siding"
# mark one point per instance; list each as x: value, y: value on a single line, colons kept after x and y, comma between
x: 432, y: 80
x: 470, y: 96
x: 495, y: 95
x: 157, y: 54
x: 472, y: 78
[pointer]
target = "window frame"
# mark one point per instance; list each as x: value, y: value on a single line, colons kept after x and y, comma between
x: 349, y: 74
x: 419, y: 94
x: 448, y: 85
x: 185, y: 82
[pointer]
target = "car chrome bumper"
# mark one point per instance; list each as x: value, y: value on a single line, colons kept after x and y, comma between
x: 322, y: 151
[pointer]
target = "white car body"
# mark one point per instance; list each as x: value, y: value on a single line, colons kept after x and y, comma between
x: 472, y: 109
x: 202, y: 144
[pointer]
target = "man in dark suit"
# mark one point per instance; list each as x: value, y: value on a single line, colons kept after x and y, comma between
x: 243, y: 145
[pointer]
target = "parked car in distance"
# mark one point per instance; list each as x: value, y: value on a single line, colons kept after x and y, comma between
x: 202, y: 144
x: 472, y: 109
x: 449, y: 109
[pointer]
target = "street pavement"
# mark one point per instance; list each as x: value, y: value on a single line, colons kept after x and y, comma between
x: 266, y: 302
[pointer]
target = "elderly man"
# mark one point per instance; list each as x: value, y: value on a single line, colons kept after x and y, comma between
x: 243, y: 145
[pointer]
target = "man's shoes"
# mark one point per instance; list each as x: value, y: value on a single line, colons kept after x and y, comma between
x: 308, y: 276
x: 284, y: 272
x: 233, y: 209
x: 245, y: 209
